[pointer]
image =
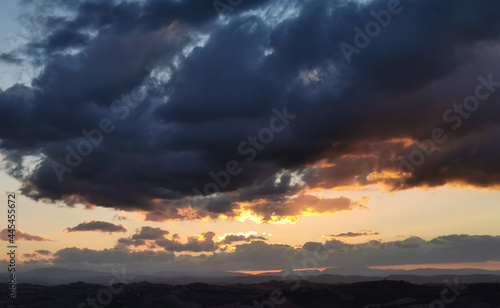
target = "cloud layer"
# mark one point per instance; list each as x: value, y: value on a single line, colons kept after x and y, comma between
x: 259, y: 255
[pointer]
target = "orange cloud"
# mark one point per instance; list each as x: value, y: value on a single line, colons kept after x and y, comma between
x: 21, y: 236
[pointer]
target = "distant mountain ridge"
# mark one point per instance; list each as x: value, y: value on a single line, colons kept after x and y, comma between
x: 57, y: 275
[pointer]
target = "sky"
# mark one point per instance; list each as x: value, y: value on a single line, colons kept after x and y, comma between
x: 251, y: 135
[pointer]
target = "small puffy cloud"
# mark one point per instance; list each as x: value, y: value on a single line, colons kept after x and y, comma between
x: 201, y: 243
x: 97, y: 226
x: 143, y: 236
x: 355, y: 234
x: 43, y: 252
x: 21, y: 236
x: 120, y: 217
x: 231, y: 238
x: 149, y: 233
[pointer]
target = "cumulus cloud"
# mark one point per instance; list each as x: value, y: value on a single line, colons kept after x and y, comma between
x: 149, y: 233
x: 156, y: 237
x: 97, y: 226
x: 178, y: 90
x: 232, y: 238
x: 21, y: 236
x: 206, y: 242
x: 142, y: 236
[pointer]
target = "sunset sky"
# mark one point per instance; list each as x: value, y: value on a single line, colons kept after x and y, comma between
x: 243, y: 135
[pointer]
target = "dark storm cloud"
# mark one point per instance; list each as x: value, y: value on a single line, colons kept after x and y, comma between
x: 66, y: 38
x: 273, y: 188
x: 216, y: 82
x: 97, y: 226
